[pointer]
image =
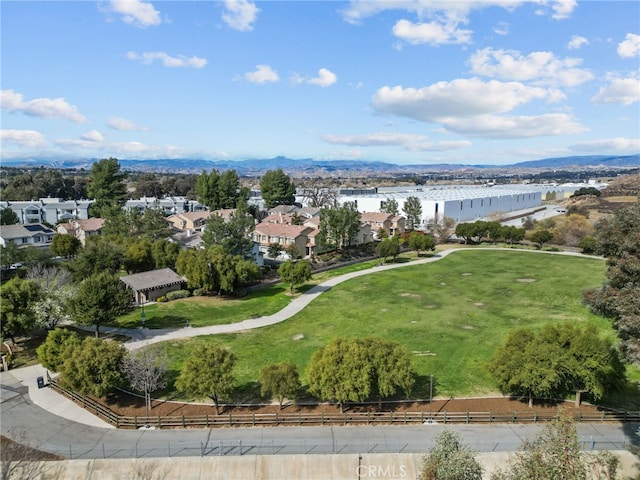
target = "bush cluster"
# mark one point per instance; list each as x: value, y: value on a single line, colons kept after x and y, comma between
x: 178, y: 294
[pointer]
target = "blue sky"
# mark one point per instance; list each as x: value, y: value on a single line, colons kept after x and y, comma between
x: 407, y: 82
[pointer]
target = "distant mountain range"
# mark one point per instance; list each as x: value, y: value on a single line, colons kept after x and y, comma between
x: 310, y: 167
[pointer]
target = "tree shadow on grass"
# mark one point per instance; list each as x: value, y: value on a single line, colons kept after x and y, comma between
x: 166, y: 321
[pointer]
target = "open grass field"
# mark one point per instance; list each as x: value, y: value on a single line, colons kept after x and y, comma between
x: 450, y: 314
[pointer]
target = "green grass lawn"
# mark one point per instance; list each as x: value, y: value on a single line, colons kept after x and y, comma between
x: 204, y: 311
x: 450, y: 314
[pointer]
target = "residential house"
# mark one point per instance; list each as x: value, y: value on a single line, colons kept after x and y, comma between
x: 33, y: 234
x: 82, y: 229
x: 48, y: 210
x: 169, y: 205
x: 148, y: 286
x: 189, y: 221
x: 391, y: 224
x: 267, y: 233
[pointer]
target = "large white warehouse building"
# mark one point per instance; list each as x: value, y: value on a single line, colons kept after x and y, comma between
x: 460, y: 202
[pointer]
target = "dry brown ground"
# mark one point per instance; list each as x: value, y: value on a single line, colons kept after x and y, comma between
x: 128, y: 405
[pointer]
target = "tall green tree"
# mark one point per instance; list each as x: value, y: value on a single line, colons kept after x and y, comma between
x: 8, y: 217
x: 391, y: 369
x: 228, y: 189
x: 340, y: 372
x: 525, y: 366
x: 57, y: 347
x: 390, y: 206
x: 277, y: 188
x: 421, y: 242
x: 99, y: 299
x: 100, y: 254
x: 93, y: 368
x: 339, y: 225
x: 294, y: 273
x: 194, y: 265
x: 17, y: 297
x: 208, y: 372
x: 138, y: 257
x: 65, y: 245
x: 107, y: 185
x: 233, y: 235
x: 540, y: 237
x: 413, y: 210
x: 557, y: 360
x: 450, y: 459
x: 618, y: 239
x: 280, y: 380
x: 154, y: 225
x: 389, y: 247
x: 590, y: 365
x: 207, y: 189
x: 165, y: 253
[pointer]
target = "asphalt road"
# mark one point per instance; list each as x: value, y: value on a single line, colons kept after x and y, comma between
x: 23, y: 420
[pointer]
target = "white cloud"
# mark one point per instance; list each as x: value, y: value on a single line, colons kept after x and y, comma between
x: 630, y: 145
x: 502, y: 28
x: 506, y: 127
x: 409, y: 142
x: 123, y: 124
x: 440, y: 22
x: 325, y: 78
x: 23, y: 138
x: 540, y: 67
x: 93, y: 136
x: 630, y: 47
x: 262, y: 74
x: 621, y: 90
x: 562, y: 8
x: 374, y: 139
x: 11, y: 101
x: 577, y: 42
x: 240, y: 14
x: 181, y: 61
x: 136, y: 12
x: 444, y: 146
x: 432, y: 33
x: 458, y: 98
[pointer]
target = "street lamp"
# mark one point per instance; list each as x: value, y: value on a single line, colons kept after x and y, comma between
x: 142, y: 316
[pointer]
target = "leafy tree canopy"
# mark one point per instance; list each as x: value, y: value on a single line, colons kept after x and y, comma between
x: 208, y: 372
x: 277, y: 188
x: 99, y: 299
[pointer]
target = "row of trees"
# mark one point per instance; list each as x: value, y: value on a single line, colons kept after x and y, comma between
x: 492, y: 231
x: 411, y: 207
x: 48, y: 295
x: 346, y: 370
x: 556, y: 361
x: 216, y: 270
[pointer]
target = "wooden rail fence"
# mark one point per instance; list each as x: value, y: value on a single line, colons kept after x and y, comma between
x: 356, y: 418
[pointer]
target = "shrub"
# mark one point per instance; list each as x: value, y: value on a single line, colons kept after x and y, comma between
x: 198, y: 292
x: 178, y: 294
x: 161, y: 299
x: 589, y: 245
